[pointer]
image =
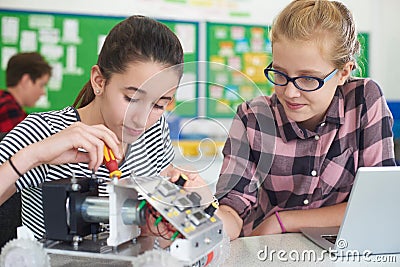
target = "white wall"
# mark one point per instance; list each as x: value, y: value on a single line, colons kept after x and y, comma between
x: 378, y: 17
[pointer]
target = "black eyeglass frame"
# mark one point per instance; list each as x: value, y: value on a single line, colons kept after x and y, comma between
x: 320, y: 81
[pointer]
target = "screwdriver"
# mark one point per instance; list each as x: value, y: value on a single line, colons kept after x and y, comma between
x: 111, y: 163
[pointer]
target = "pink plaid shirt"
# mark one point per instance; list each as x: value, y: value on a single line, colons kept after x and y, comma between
x: 272, y: 164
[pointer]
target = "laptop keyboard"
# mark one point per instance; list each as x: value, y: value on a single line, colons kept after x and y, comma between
x: 330, y: 238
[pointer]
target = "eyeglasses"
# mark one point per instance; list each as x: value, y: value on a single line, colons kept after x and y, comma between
x: 303, y: 83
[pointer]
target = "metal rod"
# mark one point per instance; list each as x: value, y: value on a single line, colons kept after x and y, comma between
x: 95, y: 209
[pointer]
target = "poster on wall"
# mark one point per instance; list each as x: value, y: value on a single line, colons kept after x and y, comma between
x: 237, y: 56
x: 185, y: 99
x: 363, y: 58
x: 71, y: 43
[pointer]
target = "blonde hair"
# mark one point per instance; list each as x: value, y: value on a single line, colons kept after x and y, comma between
x: 329, y: 23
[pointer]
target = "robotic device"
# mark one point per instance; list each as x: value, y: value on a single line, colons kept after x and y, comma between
x: 81, y: 223
x: 74, y: 213
x: 184, y: 232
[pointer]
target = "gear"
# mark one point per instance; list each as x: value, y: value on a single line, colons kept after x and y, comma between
x: 23, y: 253
x: 156, y: 258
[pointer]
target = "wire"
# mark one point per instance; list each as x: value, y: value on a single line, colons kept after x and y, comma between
x: 169, y: 230
x: 147, y: 221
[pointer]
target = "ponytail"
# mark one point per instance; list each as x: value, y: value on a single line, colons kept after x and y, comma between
x: 85, y: 96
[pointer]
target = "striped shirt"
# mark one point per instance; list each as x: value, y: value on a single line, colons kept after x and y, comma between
x: 273, y: 164
x: 148, y: 156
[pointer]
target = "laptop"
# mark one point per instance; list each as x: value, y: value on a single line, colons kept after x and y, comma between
x: 372, y: 220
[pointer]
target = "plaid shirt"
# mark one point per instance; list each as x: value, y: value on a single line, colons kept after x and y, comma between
x: 11, y: 113
x: 272, y: 164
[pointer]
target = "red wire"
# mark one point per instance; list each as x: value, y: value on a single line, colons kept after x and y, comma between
x: 169, y: 228
x: 147, y: 221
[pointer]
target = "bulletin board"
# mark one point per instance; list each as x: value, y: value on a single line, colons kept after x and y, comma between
x: 363, y: 57
x: 246, y: 49
x: 185, y: 100
x: 71, y: 43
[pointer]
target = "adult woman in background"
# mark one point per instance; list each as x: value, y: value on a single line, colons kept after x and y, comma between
x: 325, y: 124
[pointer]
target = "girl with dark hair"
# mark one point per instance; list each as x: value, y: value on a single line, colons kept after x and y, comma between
x: 121, y: 106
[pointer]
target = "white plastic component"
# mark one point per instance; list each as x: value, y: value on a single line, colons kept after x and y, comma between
x: 221, y: 252
x: 120, y: 232
x: 24, y: 232
x: 198, y: 217
x: 183, y: 250
x: 24, y: 253
x: 168, y: 189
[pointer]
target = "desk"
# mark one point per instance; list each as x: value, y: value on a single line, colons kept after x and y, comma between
x: 245, y: 252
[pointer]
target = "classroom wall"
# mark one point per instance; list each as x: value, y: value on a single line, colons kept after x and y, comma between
x: 378, y: 17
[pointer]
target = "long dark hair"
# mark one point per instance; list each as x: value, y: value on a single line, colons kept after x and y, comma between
x: 135, y: 39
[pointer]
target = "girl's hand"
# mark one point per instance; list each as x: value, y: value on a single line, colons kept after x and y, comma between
x: 77, y: 143
x: 194, y: 182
